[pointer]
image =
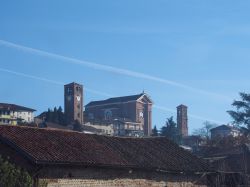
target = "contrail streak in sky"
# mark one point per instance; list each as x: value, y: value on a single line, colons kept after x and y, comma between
x: 162, y: 108
x: 111, y: 69
x: 51, y: 81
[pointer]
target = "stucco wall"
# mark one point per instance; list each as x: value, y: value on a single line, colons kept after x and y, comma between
x: 25, y: 115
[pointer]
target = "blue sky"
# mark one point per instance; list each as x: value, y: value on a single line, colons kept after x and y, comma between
x: 188, y: 52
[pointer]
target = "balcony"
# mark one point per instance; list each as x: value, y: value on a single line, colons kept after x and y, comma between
x: 4, y: 116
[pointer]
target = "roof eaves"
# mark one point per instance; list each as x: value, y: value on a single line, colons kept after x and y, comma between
x: 18, y: 149
x: 90, y: 164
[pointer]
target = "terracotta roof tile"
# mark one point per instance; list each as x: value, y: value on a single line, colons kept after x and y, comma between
x: 65, y: 147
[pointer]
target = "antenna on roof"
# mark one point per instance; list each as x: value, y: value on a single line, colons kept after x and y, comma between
x: 143, y: 91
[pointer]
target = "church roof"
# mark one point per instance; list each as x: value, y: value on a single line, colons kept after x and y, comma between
x: 118, y: 100
x: 50, y: 146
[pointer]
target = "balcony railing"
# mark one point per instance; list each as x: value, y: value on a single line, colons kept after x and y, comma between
x: 4, y: 116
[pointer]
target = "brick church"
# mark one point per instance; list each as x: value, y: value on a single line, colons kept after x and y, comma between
x: 130, y: 114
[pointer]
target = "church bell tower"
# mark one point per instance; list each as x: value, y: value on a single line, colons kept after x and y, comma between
x: 182, y: 120
x: 73, y: 102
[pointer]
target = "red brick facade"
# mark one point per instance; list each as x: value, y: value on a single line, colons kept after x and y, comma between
x: 136, y: 109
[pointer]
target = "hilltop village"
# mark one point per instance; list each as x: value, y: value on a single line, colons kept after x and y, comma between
x: 118, y: 116
x: 110, y: 143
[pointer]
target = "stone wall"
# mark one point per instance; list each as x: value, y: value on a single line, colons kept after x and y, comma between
x: 117, y: 183
x: 108, y: 177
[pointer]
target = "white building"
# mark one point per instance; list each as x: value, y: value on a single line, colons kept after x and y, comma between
x: 13, y: 114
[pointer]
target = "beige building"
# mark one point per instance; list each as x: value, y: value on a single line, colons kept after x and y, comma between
x: 104, y: 129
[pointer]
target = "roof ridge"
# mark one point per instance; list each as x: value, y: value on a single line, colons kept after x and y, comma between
x: 119, y: 99
x: 55, y: 146
x: 18, y: 107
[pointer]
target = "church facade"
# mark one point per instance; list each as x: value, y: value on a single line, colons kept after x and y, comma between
x: 130, y: 115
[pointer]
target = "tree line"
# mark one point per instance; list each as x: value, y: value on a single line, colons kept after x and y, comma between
x: 240, y: 116
x: 55, y: 116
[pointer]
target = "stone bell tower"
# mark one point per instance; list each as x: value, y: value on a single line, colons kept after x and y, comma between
x: 182, y: 120
x: 73, y: 102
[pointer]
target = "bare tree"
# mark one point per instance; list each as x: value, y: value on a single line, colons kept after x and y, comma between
x: 204, y: 131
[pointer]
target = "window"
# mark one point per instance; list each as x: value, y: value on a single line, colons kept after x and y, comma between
x: 78, y: 88
x: 91, y: 116
x: 69, y: 91
x: 107, y: 114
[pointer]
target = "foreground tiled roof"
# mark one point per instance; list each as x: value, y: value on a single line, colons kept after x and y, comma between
x: 46, y: 146
x: 14, y: 107
x: 116, y: 100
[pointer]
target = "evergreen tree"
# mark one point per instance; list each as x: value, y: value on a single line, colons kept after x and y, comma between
x: 55, y: 115
x: 170, y: 130
x: 241, y: 115
x: 154, y: 131
x: 60, y: 114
